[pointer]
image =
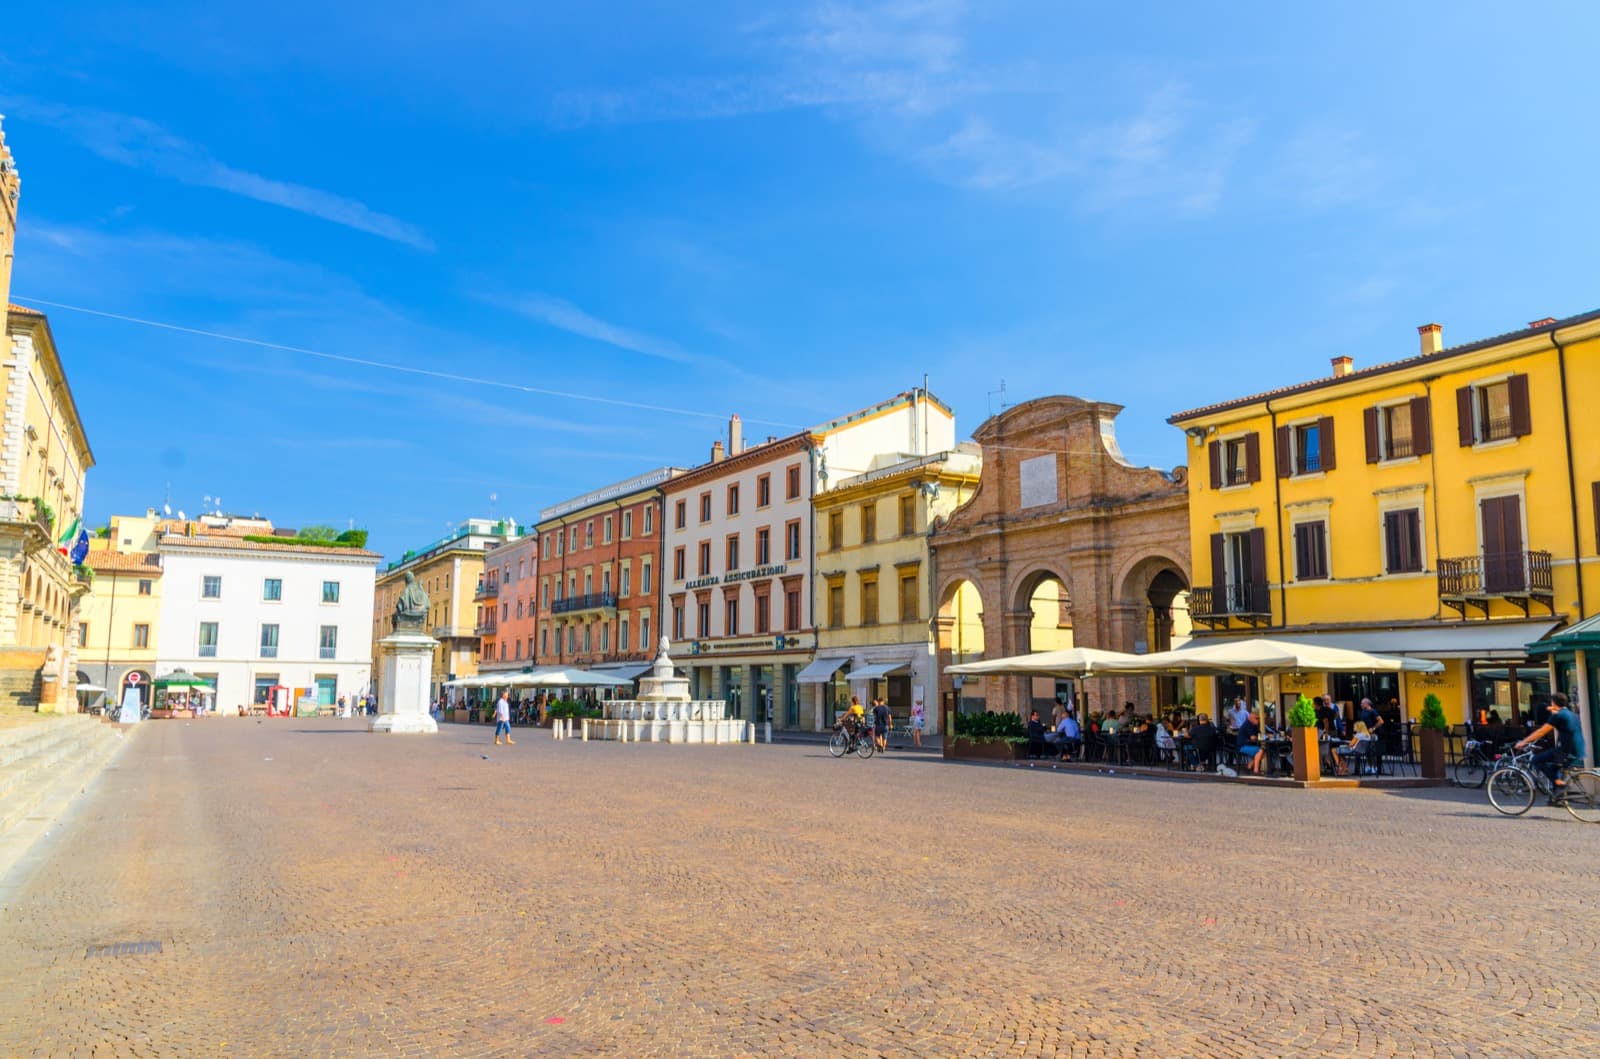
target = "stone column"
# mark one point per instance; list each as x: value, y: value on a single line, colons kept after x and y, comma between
x: 407, y: 680
x: 1015, y: 693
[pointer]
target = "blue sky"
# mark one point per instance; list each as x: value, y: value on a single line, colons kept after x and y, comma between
x: 786, y: 211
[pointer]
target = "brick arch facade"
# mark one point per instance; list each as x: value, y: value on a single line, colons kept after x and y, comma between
x: 1055, y: 496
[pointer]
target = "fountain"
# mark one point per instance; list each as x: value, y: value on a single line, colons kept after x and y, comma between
x: 664, y: 713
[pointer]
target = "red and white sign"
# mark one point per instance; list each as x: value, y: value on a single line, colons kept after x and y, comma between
x: 133, y: 678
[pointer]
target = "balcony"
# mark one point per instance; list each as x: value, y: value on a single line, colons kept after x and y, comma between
x: 486, y: 628
x: 454, y: 632
x: 1518, y: 578
x: 487, y: 590
x: 578, y: 604
x: 1216, y: 608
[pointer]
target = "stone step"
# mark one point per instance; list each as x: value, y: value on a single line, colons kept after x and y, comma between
x: 27, y: 782
x: 17, y: 744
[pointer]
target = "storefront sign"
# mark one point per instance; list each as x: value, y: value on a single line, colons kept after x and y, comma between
x: 758, y: 572
x: 702, y: 582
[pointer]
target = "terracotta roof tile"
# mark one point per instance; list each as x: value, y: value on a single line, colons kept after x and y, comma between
x: 124, y: 562
x: 22, y: 309
x: 237, y: 543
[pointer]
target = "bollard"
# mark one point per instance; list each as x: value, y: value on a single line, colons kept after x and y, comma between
x: 769, y: 731
x: 586, y: 729
x: 622, y: 731
x: 750, y: 729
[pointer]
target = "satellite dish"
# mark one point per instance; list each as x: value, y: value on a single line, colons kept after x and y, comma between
x: 181, y: 516
x: 166, y: 508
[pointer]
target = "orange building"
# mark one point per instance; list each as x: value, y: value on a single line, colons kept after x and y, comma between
x: 506, y: 598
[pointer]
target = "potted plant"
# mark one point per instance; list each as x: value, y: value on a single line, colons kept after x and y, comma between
x: 1304, y: 740
x: 987, y: 737
x: 1431, y: 726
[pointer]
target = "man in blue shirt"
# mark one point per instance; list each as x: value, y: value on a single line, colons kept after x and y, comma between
x: 1066, y: 736
x: 1569, y: 748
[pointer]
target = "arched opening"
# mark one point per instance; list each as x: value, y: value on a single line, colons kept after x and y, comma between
x: 1050, y: 603
x: 1158, y: 589
x: 960, y: 631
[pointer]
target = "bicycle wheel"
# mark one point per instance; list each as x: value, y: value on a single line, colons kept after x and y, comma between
x: 1471, y: 771
x: 1511, y: 791
x: 839, y: 743
x: 1583, y: 796
x: 865, y: 746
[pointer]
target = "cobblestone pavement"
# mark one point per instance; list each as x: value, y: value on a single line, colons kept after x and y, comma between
x: 318, y: 891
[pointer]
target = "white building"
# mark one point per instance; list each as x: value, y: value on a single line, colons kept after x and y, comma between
x: 739, y: 576
x: 261, y: 616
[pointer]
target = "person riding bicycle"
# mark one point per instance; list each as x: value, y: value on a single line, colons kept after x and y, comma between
x: 1569, y: 748
x: 855, y: 717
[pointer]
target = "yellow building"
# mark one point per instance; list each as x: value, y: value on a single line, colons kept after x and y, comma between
x: 874, y: 631
x: 449, y: 570
x: 1443, y: 506
x: 119, y: 619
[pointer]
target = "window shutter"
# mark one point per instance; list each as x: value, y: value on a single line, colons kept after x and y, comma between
x: 1252, y: 457
x: 1325, y: 435
x: 1391, y: 548
x: 1285, y: 457
x: 1219, y: 571
x: 1215, y: 449
x: 1521, y: 418
x: 1464, y: 416
x: 1421, y: 426
x: 1369, y: 424
x: 1258, y: 571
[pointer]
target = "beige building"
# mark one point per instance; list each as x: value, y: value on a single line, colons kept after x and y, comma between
x: 119, y: 621
x: 874, y: 633
x: 449, y: 570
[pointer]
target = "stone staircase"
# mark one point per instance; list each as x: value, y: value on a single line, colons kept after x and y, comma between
x: 43, y: 764
x: 19, y: 687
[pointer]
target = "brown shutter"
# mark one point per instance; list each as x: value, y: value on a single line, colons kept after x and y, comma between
x: 1252, y: 457
x: 1369, y: 424
x: 1216, y: 464
x: 1285, y: 457
x: 1325, y: 434
x: 1258, y: 602
x: 1219, y: 572
x: 1421, y: 426
x: 1464, y: 416
x: 1521, y: 417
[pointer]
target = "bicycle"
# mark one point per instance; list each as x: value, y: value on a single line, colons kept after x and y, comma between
x: 1513, y: 783
x: 1475, y: 764
x: 844, y: 741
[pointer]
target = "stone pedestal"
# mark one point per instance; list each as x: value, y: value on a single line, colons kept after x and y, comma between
x: 407, y: 677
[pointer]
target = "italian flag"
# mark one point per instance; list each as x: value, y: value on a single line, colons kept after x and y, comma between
x: 66, y: 538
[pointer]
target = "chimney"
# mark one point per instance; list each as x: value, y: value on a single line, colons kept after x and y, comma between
x: 716, y: 452
x: 1546, y: 322
x: 735, y: 435
x: 1432, y: 338
x: 1343, y: 366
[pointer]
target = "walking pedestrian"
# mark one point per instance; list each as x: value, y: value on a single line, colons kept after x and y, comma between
x: 881, y: 720
x: 919, y: 720
x: 502, y: 720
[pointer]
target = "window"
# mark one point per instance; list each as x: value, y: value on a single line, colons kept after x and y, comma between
x: 649, y: 520
x: 644, y: 632
x: 588, y: 534
x: 705, y: 507
x: 869, y: 601
x: 572, y: 639
x: 544, y: 593
x: 544, y: 639
x: 908, y: 515
x: 544, y: 547
x: 269, y: 641
x: 330, y: 591
x: 1305, y: 448
x: 763, y: 613
x: 522, y: 569
x: 145, y: 586
x: 83, y: 634
x: 588, y: 583
x: 733, y: 499
x: 730, y: 616
x: 677, y: 564
x: 605, y: 530
x: 705, y: 558
x: 791, y: 475
x: 519, y: 651
x: 1235, y: 461
x: 502, y: 651
x: 328, y: 641
x: 764, y: 490
x: 909, y: 611
x: 835, y: 530
x: 763, y: 546
x: 572, y: 538
x: 733, y: 552
x: 1239, y: 572
x: 791, y: 607
x: 141, y: 635
x: 644, y: 577
x: 680, y: 516
x: 265, y: 684
x: 703, y: 616
x: 211, y: 587
x: 1311, y: 551
x: 791, y: 542
x: 505, y: 611
x: 605, y: 637
x: 208, y: 639
x: 627, y: 582
x: 836, y: 606
x: 1402, y: 541
x: 677, y: 621
x: 627, y: 525
x: 605, y: 581
x: 869, y: 522
x: 1494, y: 411
x: 622, y: 633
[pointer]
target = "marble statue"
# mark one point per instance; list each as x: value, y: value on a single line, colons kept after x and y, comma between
x: 411, y: 609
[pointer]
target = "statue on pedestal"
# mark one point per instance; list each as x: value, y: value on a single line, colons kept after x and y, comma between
x: 411, y: 609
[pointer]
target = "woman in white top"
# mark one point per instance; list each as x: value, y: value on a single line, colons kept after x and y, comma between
x: 1357, y: 747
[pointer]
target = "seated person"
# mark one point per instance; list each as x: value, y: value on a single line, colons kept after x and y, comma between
x: 1357, y: 746
x: 1251, y: 752
x: 1035, y: 735
x: 1066, y: 736
x: 1166, y: 746
x: 1203, y: 741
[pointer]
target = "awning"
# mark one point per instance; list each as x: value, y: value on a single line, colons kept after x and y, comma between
x: 878, y: 672
x: 1584, y: 636
x: 623, y: 673
x: 822, y: 670
x: 85, y: 688
x: 1498, y: 639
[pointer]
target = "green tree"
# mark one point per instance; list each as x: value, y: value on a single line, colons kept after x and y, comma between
x: 319, y: 533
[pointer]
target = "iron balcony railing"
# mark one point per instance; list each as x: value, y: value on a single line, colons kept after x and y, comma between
x: 1241, y: 598
x: 591, y: 601
x: 487, y: 590
x: 1496, y: 574
x: 486, y: 628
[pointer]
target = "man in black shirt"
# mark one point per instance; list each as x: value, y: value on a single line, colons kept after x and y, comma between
x: 1569, y: 748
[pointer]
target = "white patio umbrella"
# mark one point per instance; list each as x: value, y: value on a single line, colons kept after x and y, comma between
x: 1067, y: 663
x: 1261, y: 656
x: 560, y: 677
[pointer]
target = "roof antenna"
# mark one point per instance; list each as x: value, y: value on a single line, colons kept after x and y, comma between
x: 1004, y: 404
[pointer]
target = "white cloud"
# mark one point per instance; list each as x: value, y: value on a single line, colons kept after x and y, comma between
x: 1329, y: 166
x: 564, y: 316
x: 142, y: 144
